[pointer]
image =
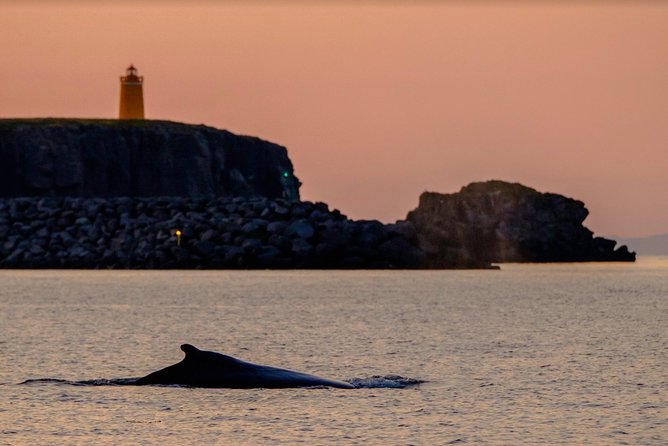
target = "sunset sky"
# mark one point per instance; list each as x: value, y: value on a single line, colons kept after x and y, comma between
x: 380, y: 101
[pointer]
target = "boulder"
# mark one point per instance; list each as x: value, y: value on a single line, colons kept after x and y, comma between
x: 302, y: 229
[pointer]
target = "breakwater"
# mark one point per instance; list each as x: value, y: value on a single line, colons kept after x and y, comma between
x: 141, y: 233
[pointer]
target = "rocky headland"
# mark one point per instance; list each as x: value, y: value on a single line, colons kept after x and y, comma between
x: 138, y: 158
x: 113, y: 194
x: 497, y: 222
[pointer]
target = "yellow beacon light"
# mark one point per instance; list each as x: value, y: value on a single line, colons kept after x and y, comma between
x: 178, y: 237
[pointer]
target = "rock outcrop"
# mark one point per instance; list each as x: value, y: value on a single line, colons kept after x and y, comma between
x: 140, y: 233
x: 111, y: 158
x: 111, y: 194
x: 499, y: 222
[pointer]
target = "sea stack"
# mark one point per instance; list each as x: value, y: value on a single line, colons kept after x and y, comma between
x: 502, y: 222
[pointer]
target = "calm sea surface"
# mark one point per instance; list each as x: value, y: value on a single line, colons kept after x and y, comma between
x: 531, y: 354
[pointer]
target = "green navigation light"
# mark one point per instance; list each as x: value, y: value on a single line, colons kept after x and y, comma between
x: 286, y: 174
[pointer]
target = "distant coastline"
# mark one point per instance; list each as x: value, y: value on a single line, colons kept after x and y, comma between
x: 80, y: 193
x: 654, y: 245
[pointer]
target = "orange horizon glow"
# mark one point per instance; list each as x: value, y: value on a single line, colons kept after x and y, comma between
x: 377, y: 103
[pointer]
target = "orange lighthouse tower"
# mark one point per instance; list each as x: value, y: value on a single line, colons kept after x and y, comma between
x: 132, y: 95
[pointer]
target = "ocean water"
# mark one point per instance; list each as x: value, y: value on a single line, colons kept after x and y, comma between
x: 530, y: 354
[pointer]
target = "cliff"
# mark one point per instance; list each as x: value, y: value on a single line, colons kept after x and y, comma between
x: 111, y: 194
x: 111, y: 158
x: 499, y: 222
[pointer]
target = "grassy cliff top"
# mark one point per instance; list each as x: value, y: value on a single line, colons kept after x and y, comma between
x: 9, y: 124
x: 13, y: 122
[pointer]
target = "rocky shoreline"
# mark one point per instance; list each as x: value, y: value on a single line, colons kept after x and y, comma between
x: 234, y: 233
x: 90, y: 193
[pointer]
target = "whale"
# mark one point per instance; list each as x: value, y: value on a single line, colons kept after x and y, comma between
x: 207, y: 369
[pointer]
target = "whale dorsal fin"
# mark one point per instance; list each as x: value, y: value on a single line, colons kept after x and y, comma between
x: 189, y: 350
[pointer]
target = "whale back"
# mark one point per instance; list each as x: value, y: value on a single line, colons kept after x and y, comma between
x: 202, y: 368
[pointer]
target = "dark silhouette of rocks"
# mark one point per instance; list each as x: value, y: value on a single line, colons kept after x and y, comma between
x: 56, y: 232
x: 112, y: 158
x: 111, y: 194
x: 498, y: 222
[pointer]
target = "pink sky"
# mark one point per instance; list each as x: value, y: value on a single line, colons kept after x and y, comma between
x: 377, y: 103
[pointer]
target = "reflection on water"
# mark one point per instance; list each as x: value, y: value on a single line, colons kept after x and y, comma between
x: 551, y: 354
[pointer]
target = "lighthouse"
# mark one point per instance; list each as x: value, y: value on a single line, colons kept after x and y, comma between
x: 132, y: 97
